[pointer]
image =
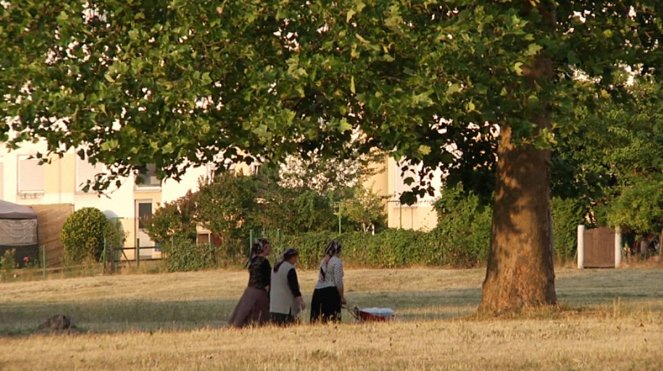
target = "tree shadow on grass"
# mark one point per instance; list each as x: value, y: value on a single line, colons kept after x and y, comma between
x: 102, y: 316
x: 118, y: 316
x: 592, y: 287
x: 587, y: 288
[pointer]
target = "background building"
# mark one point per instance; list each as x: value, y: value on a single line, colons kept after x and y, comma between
x: 60, y: 183
x: 56, y: 189
x: 388, y: 182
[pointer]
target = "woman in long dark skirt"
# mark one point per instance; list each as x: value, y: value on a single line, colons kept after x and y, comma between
x: 328, y: 295
x: 253, y: 307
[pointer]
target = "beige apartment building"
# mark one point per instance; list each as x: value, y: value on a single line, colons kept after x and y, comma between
x: 387, y: 182
x: 24, y: 181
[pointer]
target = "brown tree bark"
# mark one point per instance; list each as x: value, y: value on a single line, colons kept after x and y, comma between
x: 520, y: 271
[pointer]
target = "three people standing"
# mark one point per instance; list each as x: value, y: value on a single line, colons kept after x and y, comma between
x: 276, y: 295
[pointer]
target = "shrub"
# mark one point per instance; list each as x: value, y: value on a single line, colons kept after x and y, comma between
x: 364, y: 210
x: 387, y: 249
x: 174, y: 220
x: 461, y: 239
x: 8, y: 263
x: 463, y: 231
x: 311, y: 246
x: 566, y: 215
x: 115, y: 237
x: 228, y: 206
x: 83, y: 234
x: 182, y: 254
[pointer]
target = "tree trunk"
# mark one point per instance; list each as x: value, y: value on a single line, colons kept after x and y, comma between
x: 520, y: 271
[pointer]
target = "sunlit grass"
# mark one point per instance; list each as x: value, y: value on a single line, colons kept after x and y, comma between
x: 607, y: 319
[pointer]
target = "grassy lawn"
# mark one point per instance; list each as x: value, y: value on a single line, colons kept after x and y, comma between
x: 609, y: 319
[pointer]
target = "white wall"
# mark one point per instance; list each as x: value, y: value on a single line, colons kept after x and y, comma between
x: 116, y: 202
x: 419, y: 216
x: 172, y: 190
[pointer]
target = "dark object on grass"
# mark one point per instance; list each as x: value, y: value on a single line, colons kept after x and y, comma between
x: 57, y: 323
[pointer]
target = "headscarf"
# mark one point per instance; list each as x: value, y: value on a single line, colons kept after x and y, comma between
x: 257, y: 248
x: 289, y: 253
x: 333, y: 248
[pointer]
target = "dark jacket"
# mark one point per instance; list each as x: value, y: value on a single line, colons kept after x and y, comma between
x: 260, y: 273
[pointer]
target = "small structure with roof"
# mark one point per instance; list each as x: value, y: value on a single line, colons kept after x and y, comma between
x: 18, y: 231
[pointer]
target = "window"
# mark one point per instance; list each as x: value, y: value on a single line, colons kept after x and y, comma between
x: 85, y: 171
x: 147, y: 176
x: 144, y: 213
x: 30, y: 176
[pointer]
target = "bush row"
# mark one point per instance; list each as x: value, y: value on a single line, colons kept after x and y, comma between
x: 185, y: 255
x: 390, y: 248
x: 461, y: 239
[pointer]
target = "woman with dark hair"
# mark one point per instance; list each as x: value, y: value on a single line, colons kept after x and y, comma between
x: 285, y: 298
x: 253, y: 307
x: 328, y: 294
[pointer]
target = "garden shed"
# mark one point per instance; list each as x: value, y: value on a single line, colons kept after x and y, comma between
x: 18, y: 231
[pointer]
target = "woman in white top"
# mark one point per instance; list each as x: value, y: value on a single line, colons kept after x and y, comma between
x: 328, y: 294
x: 285, y: 298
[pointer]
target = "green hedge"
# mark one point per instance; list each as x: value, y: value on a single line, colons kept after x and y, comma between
x: 185, y: 255
x: 566, y: 215
x: 461, y: 239
x: 390, y: 248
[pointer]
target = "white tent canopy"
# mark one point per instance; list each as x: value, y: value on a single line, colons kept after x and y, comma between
x: 9, y: 210
x: 18, y: 225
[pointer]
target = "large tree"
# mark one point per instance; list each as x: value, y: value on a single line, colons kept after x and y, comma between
x: 452, y: 85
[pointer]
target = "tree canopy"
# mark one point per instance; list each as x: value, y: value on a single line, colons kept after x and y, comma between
x: 612, y: 161
x: 437, y: 83
x: 181, y: 83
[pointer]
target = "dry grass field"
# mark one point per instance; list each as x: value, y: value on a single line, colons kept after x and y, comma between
x: 608, y: 319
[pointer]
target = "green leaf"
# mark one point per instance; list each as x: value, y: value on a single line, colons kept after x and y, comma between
x: 533, y: 49
x: 344, y: 125
x: 168, y: 148
x: 350, y: 14
x: 110, y: 145
x: 422, y: 100
x: 470, y: 107
x: 134, y: 35
x: 62, y: 18
x: 205, y: 78
x: 424, y: 150
x: 518, y: 67
x: 359, y: 6
x: 454, y: 88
